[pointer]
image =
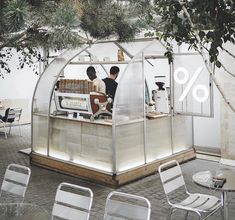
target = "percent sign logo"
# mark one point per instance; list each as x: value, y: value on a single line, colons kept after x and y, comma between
x: 196, y: 89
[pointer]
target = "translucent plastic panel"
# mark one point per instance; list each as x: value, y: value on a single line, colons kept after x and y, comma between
x: 158, y: 138
x: 105, y: 52
x: 42, y: 98
x: 40, y: 133
x: 192, y: 90
x: 129, y: 146
x: 83, y: 143
x: 156, y: 48
x: 182, y: 133
x: 129, y: 114
x: 129, y: 99
x: 48, y: 79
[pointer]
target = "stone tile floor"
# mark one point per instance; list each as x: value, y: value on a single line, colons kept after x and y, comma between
x: 43, y: 182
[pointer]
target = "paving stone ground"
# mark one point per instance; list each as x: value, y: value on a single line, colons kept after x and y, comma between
x: 43, y: 182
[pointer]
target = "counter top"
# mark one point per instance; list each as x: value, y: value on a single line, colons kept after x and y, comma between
x: 154, y: 115
x: 86, y: 120
x: 149, y: 116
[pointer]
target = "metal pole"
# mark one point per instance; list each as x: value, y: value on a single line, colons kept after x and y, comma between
x: 143, y: 79
x: 192, y: 131
x: 225, y: 204
x: 172, y: 106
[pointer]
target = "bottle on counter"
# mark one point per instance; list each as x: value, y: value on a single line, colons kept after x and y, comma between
x: 120, y: 55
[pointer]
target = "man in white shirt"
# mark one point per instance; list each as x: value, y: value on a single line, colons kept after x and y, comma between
x: 100, y: 85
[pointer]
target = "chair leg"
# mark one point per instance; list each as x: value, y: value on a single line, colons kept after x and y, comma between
x: 9, y: 130
x: 169, y: 214
x: 200, y: 216
x: 19, y: 129
x: 5, y: 131
x: 222, y: 213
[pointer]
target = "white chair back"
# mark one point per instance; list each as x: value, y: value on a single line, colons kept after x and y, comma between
x: 72, y: 202
x: 11, y: 115
x: 16, y: 180
x: 126, y: 206
x: 17, y: 112
x: 171, y: 176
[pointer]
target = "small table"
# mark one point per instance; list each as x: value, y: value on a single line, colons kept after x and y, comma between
x: 22, y: 211
x: 205, y: 179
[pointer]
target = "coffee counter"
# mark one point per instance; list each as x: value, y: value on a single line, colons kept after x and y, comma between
x: 94, y: 149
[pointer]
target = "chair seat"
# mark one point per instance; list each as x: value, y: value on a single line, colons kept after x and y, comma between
x: 199, y: 202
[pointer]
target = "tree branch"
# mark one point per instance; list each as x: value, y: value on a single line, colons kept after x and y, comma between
x: 232, y: 55
x: 222, y: 65
x: 200, y: 50
x: 227, y: 71
x: 13, y: 39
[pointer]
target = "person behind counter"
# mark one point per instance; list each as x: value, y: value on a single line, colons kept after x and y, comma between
x: 100, y: 85
x: 110, y: 83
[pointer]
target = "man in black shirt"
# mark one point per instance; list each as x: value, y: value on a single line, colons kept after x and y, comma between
x: 110, y: 83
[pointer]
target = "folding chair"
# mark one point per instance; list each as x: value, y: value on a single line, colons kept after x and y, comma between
x: 173, y: 180
x: 15, y: 181
x: 120, y: 206
x: 16, y: 114
x: 72, y: 202
x: 9, y: 117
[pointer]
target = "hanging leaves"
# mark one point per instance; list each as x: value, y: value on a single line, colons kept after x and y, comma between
x: 102, y: 19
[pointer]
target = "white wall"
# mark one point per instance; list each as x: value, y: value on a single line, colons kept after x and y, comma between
x: 16, y: 89
x: 219, y: 131
x: 227, y: 83
x: 207, y: 130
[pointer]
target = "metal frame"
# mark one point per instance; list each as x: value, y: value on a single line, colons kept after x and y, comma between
x: 13, y: 114
x: 211, y: 95
x: 172, y: 178
x: 17, y: 115
x: 127, y: 196
x: 68, y: 201
x: 15, y: 180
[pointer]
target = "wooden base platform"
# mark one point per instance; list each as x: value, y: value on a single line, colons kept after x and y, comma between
x: 107, y: 179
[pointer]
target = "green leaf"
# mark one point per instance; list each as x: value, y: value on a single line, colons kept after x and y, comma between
x: 218, y: 63
x: 201, y: 34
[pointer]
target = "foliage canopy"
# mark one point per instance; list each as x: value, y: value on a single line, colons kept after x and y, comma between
x: 30, y: 24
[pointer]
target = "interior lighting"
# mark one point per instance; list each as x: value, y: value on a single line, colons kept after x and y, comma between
x: 59, y: 155
x: 180, y: 148
x: 161, y: 156
x: 94, y: 165
x: 40, y: 150
x: 129, y: 166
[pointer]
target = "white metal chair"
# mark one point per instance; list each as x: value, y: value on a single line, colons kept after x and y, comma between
x: 121, y: 206
x: 72, y: 202
x: 16, y: 114
x: 172, y: 180
x: 15, y: 181
x: 8, y: 118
